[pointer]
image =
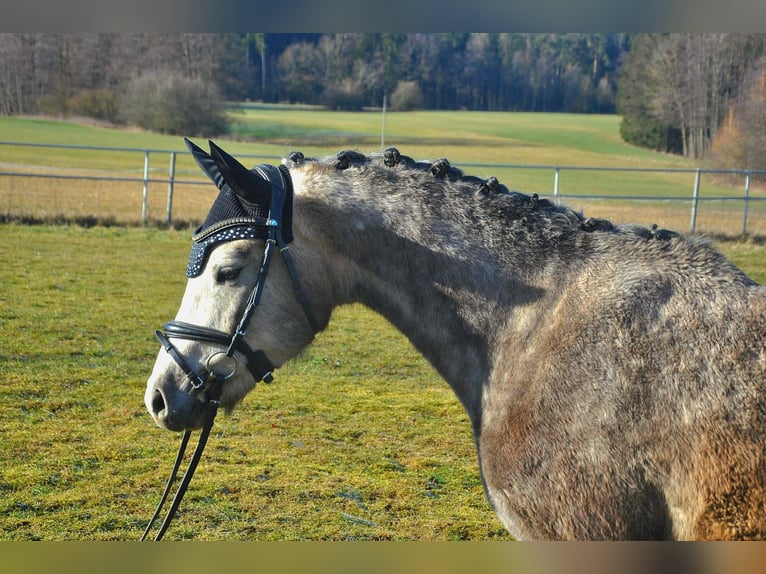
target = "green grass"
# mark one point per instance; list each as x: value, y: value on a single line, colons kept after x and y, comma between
x: 490, y: 137
x: 463, y: 137
x: 357, y: 439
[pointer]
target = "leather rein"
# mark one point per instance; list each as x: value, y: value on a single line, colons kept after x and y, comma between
x: 222, y: 365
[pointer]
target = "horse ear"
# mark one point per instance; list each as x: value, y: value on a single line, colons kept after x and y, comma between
x: 206, y: 163
x: 248, y: 185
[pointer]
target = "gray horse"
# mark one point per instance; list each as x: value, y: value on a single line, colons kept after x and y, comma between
x: 614, y: 376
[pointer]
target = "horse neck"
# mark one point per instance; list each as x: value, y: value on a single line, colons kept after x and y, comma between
x: 437, y: 278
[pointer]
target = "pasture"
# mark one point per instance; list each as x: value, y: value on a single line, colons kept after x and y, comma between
x: 484, y: 139
x: 357, y: 439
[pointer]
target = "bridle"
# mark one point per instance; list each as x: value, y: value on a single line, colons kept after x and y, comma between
x: 208, y: 377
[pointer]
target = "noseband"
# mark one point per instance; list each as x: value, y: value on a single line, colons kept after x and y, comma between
x: 208, y: 378
x: 257, y: 362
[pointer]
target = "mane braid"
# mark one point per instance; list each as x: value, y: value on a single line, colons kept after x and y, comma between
x: 490, y: 188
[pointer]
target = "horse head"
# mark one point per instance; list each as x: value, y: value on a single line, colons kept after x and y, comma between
x: 243, y: 313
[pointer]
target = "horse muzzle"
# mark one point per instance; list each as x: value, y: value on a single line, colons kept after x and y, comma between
x: 173, y: 408
x: 180, y: 406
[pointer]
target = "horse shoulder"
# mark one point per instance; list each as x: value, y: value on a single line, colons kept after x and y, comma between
x: 616, y: 387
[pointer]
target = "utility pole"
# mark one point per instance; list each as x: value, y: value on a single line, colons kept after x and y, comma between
x: 383, y: 125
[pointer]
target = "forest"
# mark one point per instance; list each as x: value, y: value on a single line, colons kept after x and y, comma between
x: 700, y: 95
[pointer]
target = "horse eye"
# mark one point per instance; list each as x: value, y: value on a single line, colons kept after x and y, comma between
x: 227, y: 274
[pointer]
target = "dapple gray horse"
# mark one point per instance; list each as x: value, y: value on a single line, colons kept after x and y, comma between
x: 614, y: 376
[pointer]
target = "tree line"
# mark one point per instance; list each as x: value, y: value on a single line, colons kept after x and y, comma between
x: 526, y: 72
x: 692, y: 94
x: 518, y: 72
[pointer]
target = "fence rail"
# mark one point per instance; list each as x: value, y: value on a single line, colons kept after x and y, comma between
x: 126, y: 182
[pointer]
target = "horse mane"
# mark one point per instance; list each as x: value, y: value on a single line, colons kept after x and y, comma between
x: 510, y: 203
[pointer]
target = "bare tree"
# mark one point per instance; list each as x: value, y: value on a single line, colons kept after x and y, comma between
x: 694, y: 78
x: 752, y: 106
x: 14, y: 76
x: 742, y: 137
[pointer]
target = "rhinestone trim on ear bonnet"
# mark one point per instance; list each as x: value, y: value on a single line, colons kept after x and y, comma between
x: 231, y: 231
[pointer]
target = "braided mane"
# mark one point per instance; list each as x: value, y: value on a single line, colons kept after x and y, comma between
x: 490, y: 188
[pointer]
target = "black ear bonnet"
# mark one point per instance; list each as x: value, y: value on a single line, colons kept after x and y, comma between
x: 251, y: 204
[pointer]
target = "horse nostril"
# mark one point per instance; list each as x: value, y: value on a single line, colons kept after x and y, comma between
x: 158, y: 403
x: 171, y: 408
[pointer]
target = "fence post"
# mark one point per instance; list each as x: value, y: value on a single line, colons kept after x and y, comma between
x: 747, y: 199
x: 556, y: 184
x: 171, y: 178
x: 695, y: 200
x: 146, y: 187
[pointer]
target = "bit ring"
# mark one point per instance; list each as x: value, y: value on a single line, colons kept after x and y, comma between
x: 221, y: 365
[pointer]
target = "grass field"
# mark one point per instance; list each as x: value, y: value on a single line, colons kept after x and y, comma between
x: 469, y: 139
x: 488, y: 137
x: 358, y: 439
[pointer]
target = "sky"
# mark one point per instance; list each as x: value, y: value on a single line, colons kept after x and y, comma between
x: 383, y: 16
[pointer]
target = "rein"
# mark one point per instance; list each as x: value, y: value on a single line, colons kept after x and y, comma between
x: 212, y: 410
x: 222, y: 365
